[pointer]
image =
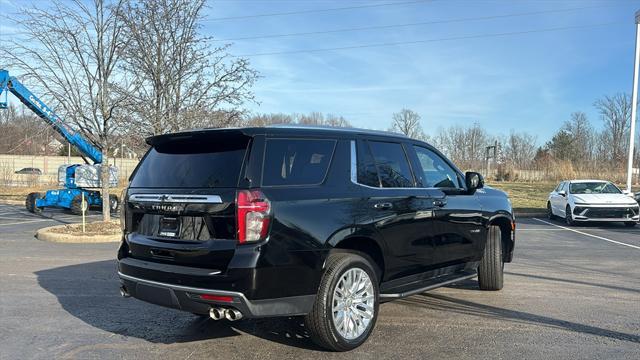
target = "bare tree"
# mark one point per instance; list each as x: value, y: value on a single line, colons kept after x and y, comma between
x: 520, y: 149
x: 615, y: 112
x: 407, y: 122
x: 581, y: 131
x: 71, y: 52
x: 181, y: 79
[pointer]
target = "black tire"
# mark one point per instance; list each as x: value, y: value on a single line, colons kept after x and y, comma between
x: 114, y: 203
x: 76, y: 205
x: 568, y: 218
x: 630, y: 224
x: 319, y: 322
x: 491, y: 269
x: 550, y: 212
x: 30, y: 202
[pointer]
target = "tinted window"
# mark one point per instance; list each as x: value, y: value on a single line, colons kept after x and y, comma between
x: 436, y: 172
x: 191, y: 164
x: 392, y: 164
x: 296, y: 161
x: 367, y: 171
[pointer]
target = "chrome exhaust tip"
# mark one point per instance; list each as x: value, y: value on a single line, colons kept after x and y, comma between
x: 217, y: 313
x: 123, y: 292
x: 233, y: 315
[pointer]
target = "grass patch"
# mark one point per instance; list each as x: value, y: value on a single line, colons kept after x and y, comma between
x: 527, y: 197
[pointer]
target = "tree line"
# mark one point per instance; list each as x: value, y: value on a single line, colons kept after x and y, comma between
x: 121, y: 70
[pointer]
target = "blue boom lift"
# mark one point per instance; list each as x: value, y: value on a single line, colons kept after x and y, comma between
x: 78, y: 178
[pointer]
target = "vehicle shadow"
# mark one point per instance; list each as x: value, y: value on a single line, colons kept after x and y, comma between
x: 453, y: 305
x: 89, y: 292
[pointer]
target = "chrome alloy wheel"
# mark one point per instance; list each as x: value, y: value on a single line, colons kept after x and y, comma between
x: 353, y: 303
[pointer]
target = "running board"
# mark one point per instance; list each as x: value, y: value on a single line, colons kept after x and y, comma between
x: 429, y: 287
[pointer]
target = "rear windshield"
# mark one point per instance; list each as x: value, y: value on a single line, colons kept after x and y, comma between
x: 193, y: 163
x: 296, y: 161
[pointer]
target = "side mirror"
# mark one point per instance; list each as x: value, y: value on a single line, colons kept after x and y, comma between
x: 562, y: 193
x: 473, y: 180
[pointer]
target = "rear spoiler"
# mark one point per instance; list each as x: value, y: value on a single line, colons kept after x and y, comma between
x: 226, y: 134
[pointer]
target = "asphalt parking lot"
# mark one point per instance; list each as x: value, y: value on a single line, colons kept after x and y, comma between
x: 569, y: 293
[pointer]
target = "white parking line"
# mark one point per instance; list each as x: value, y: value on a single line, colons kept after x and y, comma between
x: 587, y: 234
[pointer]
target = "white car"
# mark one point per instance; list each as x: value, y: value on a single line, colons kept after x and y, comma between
x: 592, y: 200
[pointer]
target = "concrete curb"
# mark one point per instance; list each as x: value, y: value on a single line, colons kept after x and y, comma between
x: 520, y: 215
x: 45, y: 234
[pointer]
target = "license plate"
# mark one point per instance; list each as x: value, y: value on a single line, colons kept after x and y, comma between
x: 169, y: 227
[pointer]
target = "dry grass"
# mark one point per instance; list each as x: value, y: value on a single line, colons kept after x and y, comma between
x: 527, y: 197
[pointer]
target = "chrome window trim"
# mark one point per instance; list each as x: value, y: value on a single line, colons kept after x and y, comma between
x: 176, y: 198
x: 354, y: 175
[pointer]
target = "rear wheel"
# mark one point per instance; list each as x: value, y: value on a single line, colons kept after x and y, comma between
x: 550, y: 212
x: 346, y: 306
x: 568, y: 217
x: 490, y: 271
x: 630, y: 224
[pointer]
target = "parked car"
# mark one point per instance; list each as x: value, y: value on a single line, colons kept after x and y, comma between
x: 591, y: 200
x: 321, y: 222
x: 29, y: 171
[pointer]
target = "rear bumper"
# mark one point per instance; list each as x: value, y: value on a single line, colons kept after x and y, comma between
x: 188, y: 299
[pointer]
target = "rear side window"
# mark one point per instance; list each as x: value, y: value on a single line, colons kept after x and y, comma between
x: 391, y: 162
x: 296, y: 161
x: 196, y: 163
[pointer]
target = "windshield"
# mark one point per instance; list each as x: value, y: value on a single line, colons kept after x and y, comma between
x: 594, y: 188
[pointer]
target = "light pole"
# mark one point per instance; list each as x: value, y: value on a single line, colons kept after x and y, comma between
x: 634, y: 104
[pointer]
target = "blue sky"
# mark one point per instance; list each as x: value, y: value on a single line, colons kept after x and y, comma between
x: 526, y: 82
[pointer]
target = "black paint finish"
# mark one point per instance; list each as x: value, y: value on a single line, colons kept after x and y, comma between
x: 414, y: 234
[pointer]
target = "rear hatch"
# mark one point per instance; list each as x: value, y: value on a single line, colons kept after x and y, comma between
x: 181, y: 200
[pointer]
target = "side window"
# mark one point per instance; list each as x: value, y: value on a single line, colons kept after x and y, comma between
x: 296, y: 161
x: 391, y: 162
x: 437, y: 173
x: 366, y: 170
x: 558, y: 187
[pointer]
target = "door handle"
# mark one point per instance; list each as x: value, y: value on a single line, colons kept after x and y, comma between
x: 439, y: 203
x: 383, y: 206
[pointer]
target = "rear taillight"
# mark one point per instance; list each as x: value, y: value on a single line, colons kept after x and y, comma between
x: 253, y: 210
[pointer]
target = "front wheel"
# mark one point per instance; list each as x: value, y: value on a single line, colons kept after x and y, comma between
x: 491, y: 269
x: 346, y: 306
x: 568, y: 217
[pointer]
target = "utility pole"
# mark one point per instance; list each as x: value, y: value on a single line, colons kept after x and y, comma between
x: 488, y: 156
x: 634, y: 104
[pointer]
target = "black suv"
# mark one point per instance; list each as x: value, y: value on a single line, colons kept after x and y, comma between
x: 321, y: 222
